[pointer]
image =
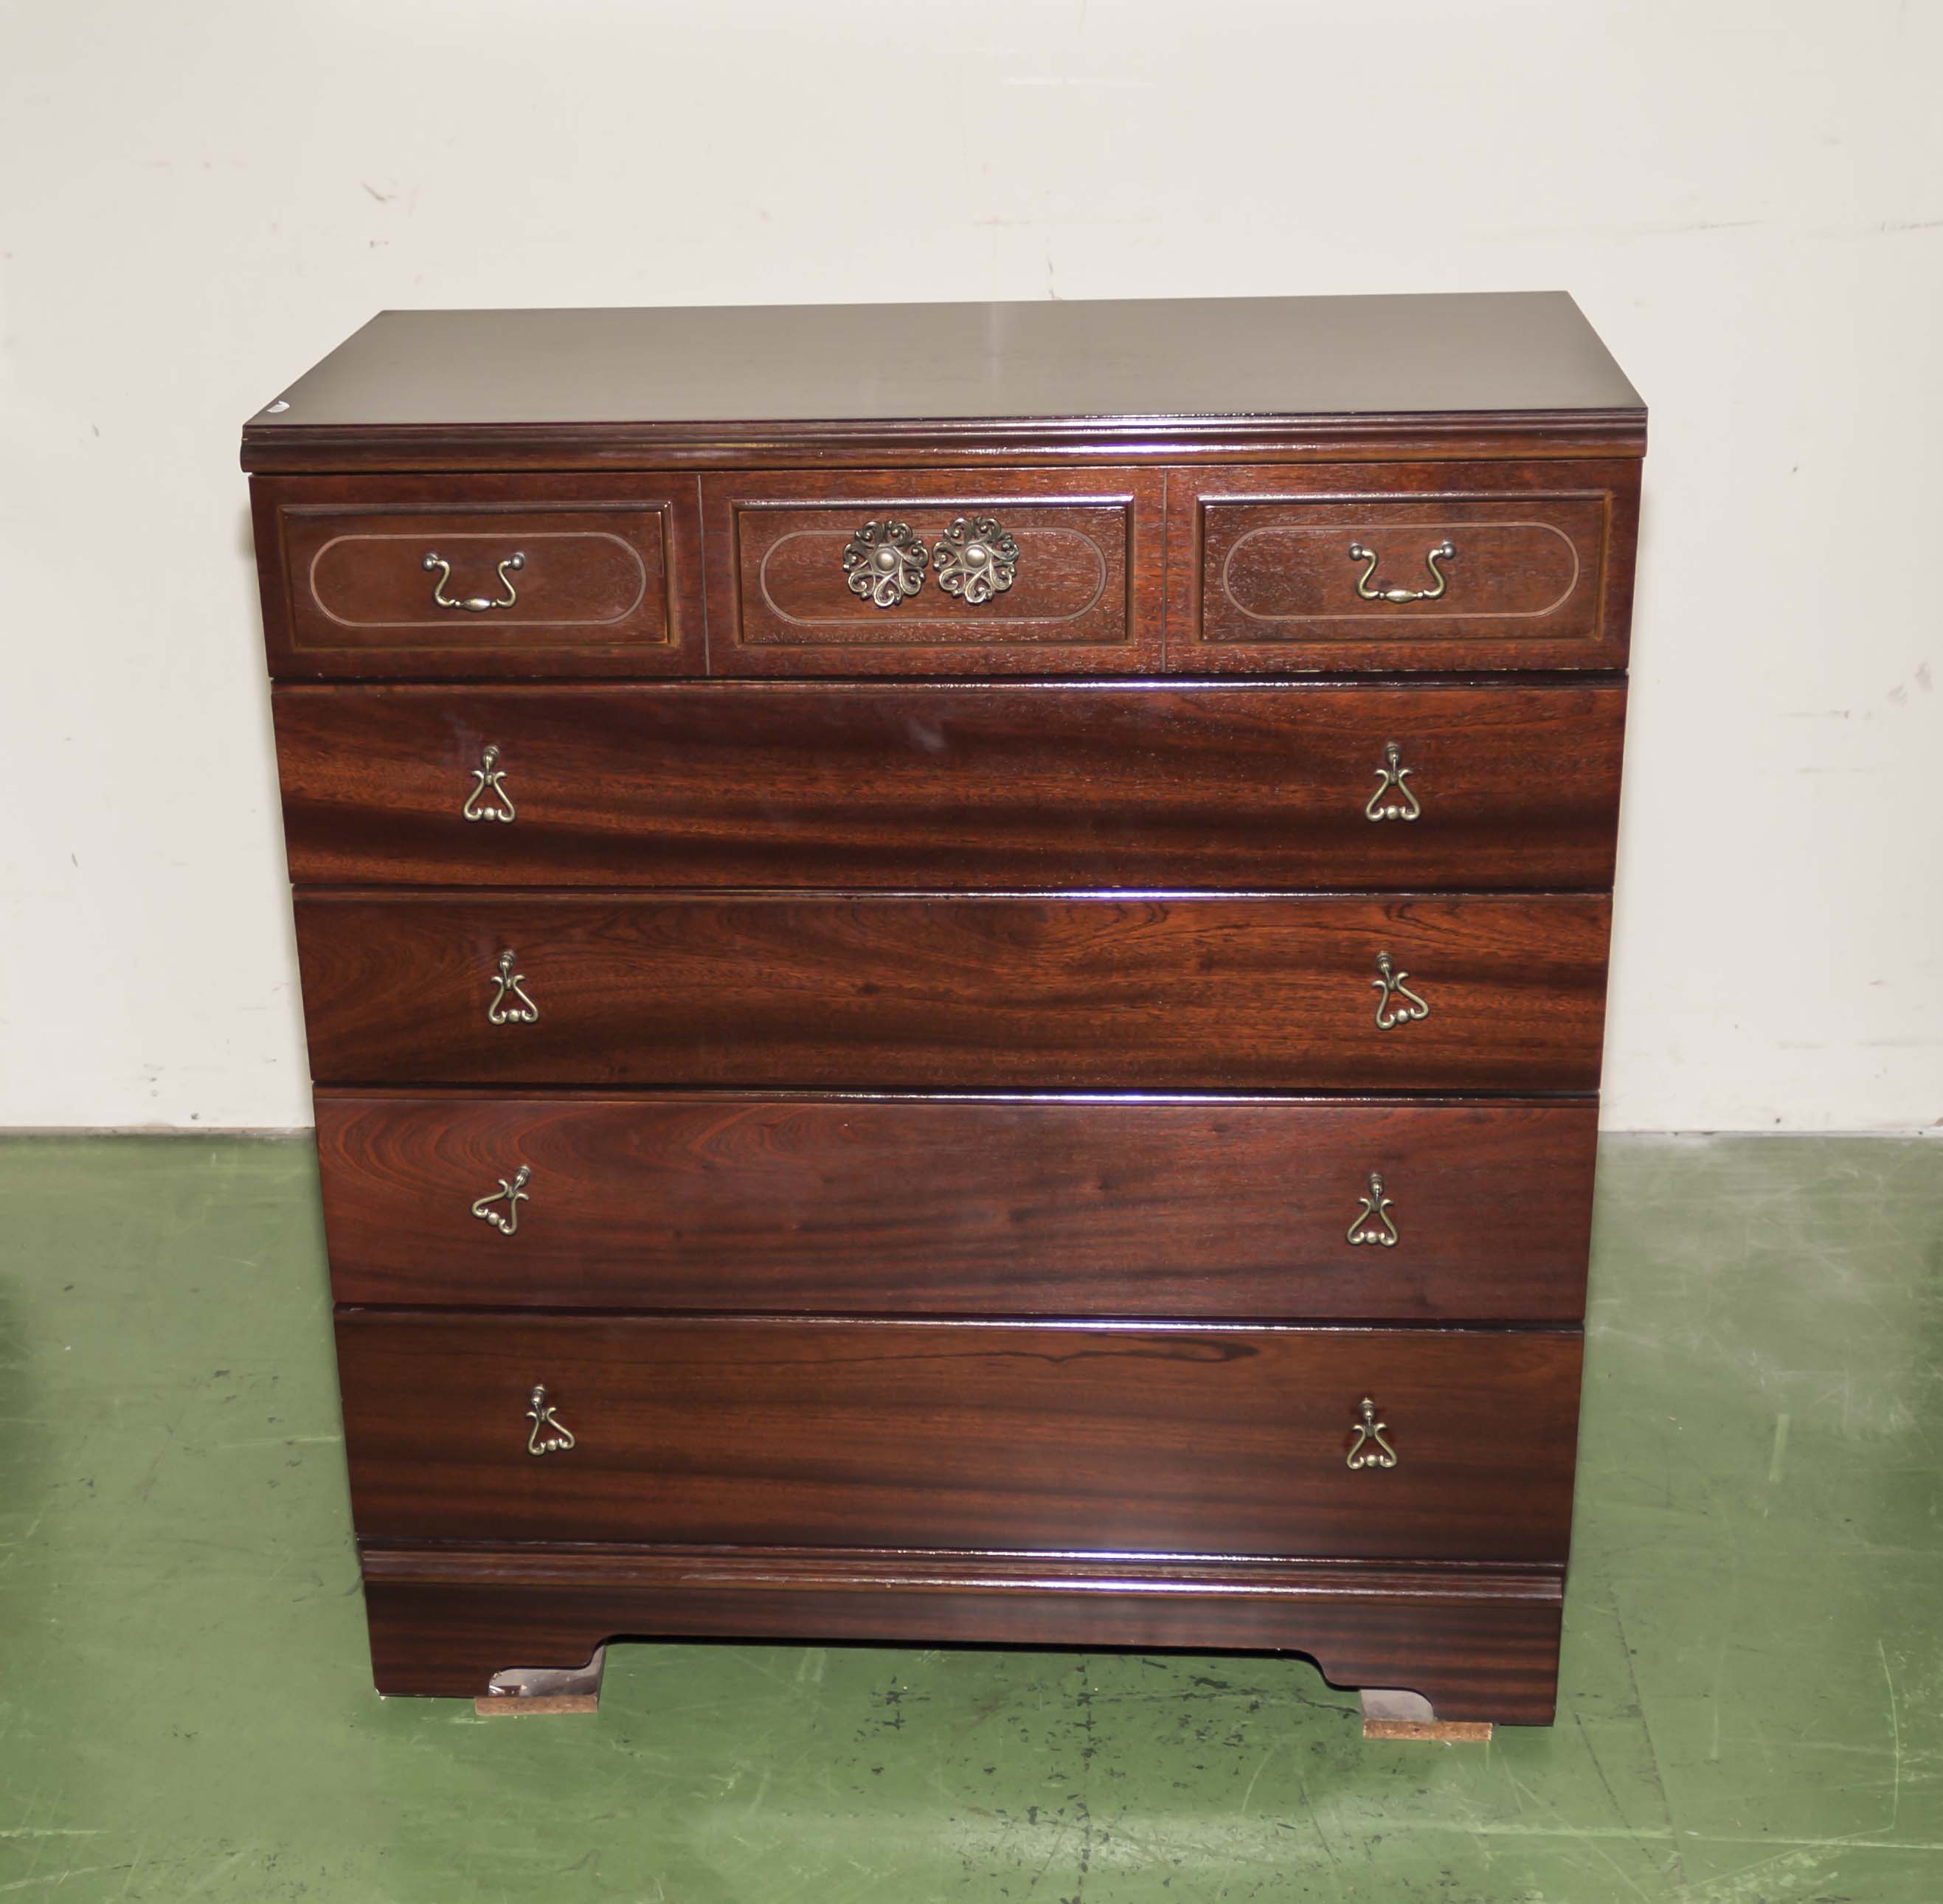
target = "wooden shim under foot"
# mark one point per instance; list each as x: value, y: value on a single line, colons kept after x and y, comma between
x: 1392, y: 1712
x: 539, y: 1692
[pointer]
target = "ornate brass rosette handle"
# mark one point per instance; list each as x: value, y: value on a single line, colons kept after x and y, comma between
x: 1369, y: 1450
x: 976, y: 559
x: 1443, y: 552
x: 550, y: 1434
x: 885, y: 562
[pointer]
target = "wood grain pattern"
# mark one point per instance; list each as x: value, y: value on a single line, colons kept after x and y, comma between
x: 1089, y: 598
x: 1043, y: 1206
x: 1005, y: 786
x: 1261, y: 578
x: 1477, y: 1642
x: 877, y: 992
x: 610, y: 584
x: 1012, y: 1437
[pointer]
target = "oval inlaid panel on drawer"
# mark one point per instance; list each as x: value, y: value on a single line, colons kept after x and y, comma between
x: 928, y: 785
x: 1402, y: 566
x: 1017, y: 1437
x: 1248, y: 1208
x: 1002, y: 572
x: 480, y: 575
x: 899, y: 992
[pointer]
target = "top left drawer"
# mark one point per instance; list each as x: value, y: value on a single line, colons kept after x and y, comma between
x: 480, y: 577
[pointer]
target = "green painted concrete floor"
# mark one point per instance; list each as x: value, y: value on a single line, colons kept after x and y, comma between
x: 1753, y: 1684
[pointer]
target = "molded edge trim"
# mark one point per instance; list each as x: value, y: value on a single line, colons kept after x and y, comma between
x: 871, y: 1571
x: 322, y: 448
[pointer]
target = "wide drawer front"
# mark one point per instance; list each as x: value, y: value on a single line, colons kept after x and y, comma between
x: 922, y: 785
x: 877, y: 992
x: 1016, y: 1437
x: 1040, y: 1206
x: 480, y: 575
x: 935, y: 572
x: 1402, y: 565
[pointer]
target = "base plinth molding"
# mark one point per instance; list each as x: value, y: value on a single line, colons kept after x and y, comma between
x: 1476, y: 1644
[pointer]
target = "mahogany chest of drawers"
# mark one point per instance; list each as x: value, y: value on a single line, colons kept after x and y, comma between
x: 954, y: 959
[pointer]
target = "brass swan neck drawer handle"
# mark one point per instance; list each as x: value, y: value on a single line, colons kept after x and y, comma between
x: 473, y: 604
x: 1398, y: 1004
x: 550, y: 1434
x: 512, y: 1193
x: 1372, y: 1224
x: 1390, y: 779
x: 975, y: 559
x: 1369, y: 1450
x: 511, y: 1005
x: 489, y: 799
x: 1443, y: 551
x: 884, y: 562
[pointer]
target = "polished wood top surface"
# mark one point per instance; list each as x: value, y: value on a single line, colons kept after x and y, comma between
x: 1485, y: 354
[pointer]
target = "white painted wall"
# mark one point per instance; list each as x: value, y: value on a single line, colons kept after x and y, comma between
x: 199, y: 199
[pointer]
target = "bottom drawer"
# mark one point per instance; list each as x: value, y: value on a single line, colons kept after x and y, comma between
x: 999, y: 1436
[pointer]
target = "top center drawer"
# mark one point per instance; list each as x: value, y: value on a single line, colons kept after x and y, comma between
x: 975, y: 572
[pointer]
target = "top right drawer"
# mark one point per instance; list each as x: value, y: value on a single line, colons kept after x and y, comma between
x: 1308, y: 568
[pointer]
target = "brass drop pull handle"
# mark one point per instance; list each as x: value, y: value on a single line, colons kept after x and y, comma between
x: 884, y: 562
x: 1392, y: 800
x: 975, y: 559
x: 1443, y: 551
x: 473, y: 604
x: 1369, y: 1450
x: 511, y: 1005
x: 489, y: 799
x: 550, y: 1434
x: 1372, y: 1224
x: 512, y: 1193
x: 1397, y: 1004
